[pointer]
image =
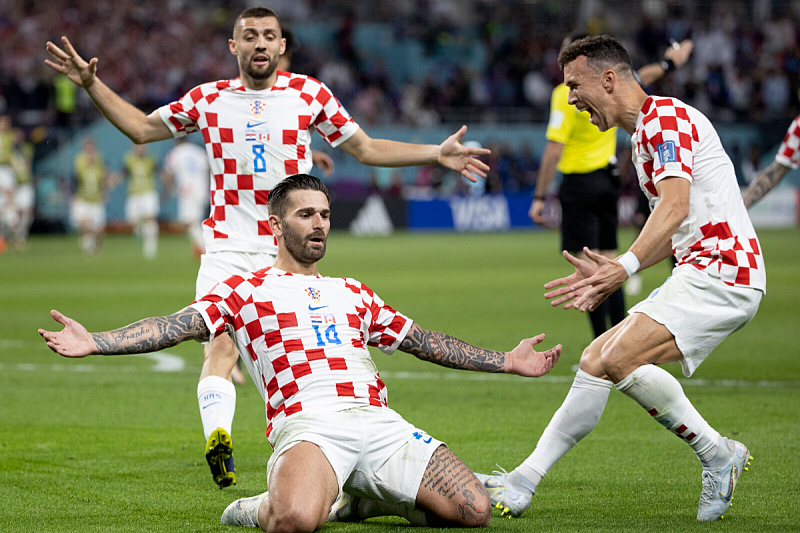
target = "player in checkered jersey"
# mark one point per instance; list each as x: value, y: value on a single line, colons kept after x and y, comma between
x: 787, y: 159
x: 715, y: 289
x: 257, y: 129
x: 304, y: 338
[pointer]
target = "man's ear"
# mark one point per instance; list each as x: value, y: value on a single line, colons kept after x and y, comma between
x: 232, y: 46
x: 275, y: 225
x: 609, y: 80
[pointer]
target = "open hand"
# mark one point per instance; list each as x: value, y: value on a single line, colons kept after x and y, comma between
x: 565, y: 290
x: 456, y: 156
x: 525, y: 361
x: 72, y: 341
x: 69, y: 63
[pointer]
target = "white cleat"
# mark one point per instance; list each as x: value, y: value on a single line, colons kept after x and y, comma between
x: 344, y: 509
x: 243, y: 512
x: 719, y: 484
x: 511, y: 501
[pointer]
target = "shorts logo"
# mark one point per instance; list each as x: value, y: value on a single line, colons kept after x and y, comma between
x: 667, y: 152
x: 314, y: 294
x: 257, y: 108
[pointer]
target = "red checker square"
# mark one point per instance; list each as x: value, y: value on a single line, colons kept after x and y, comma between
x: 345, y: 389
x: 253, y: 329
x: 339, y: 120
x: 353, y: 321
x: 375, y: 402
x: 303, y: 122
x: 333, y: 136
x: 337, y: 363
x: 297, y: 83
x: 681, y: 429
x: 226, y: 135
x: 219, y: 181
x: 397, y: 324
x: 231, y: 197
x: 743, y: 276
x: 265, y: 309
x: 669, y: 123
x: 272, y: 387
x: 177, y: 107
x: 228, y: 165
x: 289, y: 389
x: 213, y: 313
x: 244, y: 182
x: 196, y: 94
x: 280, y: 364
x: 751, y: 260
x: 289, y: 136
x: 681, y: 113
x: 301, y: 151
x: 315, y: 354
x: 387, y: 340
x: 212, y: 120
x: 219, y: 212
x: 294, y: 408
x: 263, y: 228
x: 321, y: 117
x: 306, y: 98
x: 323, y: 96
x: 287, y: 320
x: 206, y: 135
x: 300, y: 370
x: 252, y: 352
x: 273, y: 338
x: 216, y: 151
x: 177, y: 123
x: 261, y: 197
x: 293, y: 345
x: 358, y: 343
x: 220, y: 235
x: 290, y: 167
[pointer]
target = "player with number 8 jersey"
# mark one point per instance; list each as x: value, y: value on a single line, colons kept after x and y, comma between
x: 255, y: 138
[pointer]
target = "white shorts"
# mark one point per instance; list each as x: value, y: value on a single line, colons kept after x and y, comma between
x: 192, y: 210
x: 91, y: 214
x: 216, y: 267
x: 24, y: 197
x: 700, y: 311
x: 141, y: 206
x: 374, y: 452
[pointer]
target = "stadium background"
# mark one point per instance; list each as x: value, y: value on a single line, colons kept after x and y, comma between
x: 105, y: 444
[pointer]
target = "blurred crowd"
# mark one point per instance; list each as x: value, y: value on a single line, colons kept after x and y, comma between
x: 414, y: 62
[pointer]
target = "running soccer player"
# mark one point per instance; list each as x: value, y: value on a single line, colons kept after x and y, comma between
x: 141, y: 205
x: 715, y: 289
x: 787, y: 159
x: 304, y: 340
x: 257, y: 130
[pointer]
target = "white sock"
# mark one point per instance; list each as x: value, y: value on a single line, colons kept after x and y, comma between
x: 576, y: 418
x: 216, y: 398
x: 150, y: 239
x: 662, y: 396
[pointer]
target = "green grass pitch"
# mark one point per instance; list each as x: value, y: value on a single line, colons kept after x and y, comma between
x: 114, y: 444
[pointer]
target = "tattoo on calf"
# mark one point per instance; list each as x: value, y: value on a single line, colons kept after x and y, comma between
x: 153, y: 334
x: 447, y: 476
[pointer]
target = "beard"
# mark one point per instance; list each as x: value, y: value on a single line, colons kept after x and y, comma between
x: 297, y: 246
x: 261, y: 73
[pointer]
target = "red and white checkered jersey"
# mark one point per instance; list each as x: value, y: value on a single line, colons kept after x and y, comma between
x: 304, y: 338
x: 253, y: 140
x: 673, y: 139
x: 789, y: 153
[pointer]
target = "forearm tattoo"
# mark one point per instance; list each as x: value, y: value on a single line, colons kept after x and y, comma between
x: 446, y: 350
x: 764, y: 182
x: 446, y: 476
x: 153, y: 334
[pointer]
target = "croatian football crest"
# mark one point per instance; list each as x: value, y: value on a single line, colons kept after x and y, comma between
x: 257, y: 108
x: 314, y: 294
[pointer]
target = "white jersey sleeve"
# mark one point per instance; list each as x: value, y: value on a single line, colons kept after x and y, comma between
x: 672, y: 139
x: 789, y: 152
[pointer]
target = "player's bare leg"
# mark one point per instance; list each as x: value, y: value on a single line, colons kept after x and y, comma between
x: 216, y: 396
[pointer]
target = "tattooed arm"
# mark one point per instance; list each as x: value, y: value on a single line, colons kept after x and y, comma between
x: 766, y: 180
x: 446, y: 350
x: 148, y: 335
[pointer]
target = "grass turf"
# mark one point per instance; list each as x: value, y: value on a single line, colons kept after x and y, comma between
x: 102, y: 444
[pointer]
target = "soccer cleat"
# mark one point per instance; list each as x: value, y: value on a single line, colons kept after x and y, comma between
x: 219, y: 454
x: 511, y: 500
x: 719, y: 484
x: 344, y: 509
x: 243, y: 512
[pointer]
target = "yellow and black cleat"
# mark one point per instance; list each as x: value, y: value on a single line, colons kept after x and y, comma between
x: 219, y: 455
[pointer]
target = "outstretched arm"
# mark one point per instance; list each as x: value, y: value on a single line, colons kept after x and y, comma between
x: 385, y: 153
x: 678, y: 53
x: 148, y: 335
x: 766, y: 180
x: 139, y: 128
x: 446, y: 350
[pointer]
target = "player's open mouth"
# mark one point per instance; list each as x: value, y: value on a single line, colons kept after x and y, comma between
x: 260, y: 60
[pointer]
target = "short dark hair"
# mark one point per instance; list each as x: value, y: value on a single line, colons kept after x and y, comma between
x: 278, y: 199
x: 256, y: 13
x: 597, y: 49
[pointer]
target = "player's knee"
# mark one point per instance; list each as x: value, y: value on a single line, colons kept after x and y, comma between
x: 290, y: 519
x: 591, y: 360
x: 482, y: 512
x: 614, y: 361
